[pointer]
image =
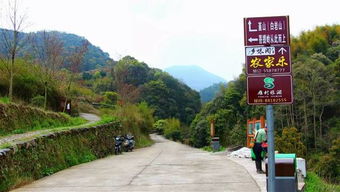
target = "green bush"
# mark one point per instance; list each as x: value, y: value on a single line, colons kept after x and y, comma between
x: 173, y: 129
x: 159, y: 126
x: 38, y: 101
x: 290, y: 141
x: 110, y: 98
x: 328, y: 167
x: 238, y: 136
x: 201, y: 136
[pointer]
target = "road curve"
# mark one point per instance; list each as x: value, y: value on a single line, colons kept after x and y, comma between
x: 165, y: 166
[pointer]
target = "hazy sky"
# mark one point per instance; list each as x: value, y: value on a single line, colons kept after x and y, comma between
x: 162, y: 33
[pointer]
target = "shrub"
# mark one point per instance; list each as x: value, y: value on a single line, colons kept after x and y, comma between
x: 38, y: 101
x: 328, y: 166
x: 110, y: 97
x: 173, y: 129
x: 159, y: 126
x: 238, y: 135
x: 200, y: 135
x: 290, y: 142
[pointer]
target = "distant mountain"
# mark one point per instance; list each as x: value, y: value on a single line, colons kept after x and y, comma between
x: 194, y: 76
x: 209, y: 93
x: 94, y: 58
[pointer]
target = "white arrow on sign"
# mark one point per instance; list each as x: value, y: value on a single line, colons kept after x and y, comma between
x: 249, y: 27
x: 282, y: 50
x: 253, y: 39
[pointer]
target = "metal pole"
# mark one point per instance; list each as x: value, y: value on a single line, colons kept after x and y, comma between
x: 271, y: 148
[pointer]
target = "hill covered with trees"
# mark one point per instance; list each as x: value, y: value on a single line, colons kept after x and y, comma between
x: 31, y: 45
x: 209, y: 93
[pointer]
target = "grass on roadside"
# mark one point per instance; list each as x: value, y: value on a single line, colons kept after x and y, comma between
x: 209, y: 149
x: 4, y: 100
x: 78, y: 123
x: 316, y: 184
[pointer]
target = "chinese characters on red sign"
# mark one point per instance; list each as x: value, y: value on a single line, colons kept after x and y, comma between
x: 270, y: 90
x: 261, y: 60
x: 268, y: 62
x: 266, y: 30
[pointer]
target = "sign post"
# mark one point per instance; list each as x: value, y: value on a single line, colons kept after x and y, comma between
x: 268, y: 68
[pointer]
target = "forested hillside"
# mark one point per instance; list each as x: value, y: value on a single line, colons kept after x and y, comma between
x: 209, y: 93
x: 310, y: 127
x: 31, y: 45
x: 133, y: 81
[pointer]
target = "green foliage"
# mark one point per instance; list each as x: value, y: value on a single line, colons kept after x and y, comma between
x: 170, y: 98
x: 147, y: 116
x: 238, y: 135
x: 210, y: 93
x: 18, y: 119
x: 135, y: 119
x: 290, y: 142
x: 159, y: 126
x: 110, y: 98
x: 38, y: 101
x: 4, y: 100
x: 200, y: 133
x: 173, y: 129
x: 328, y: 167
x: 210, y: 149
x: 313, y: 183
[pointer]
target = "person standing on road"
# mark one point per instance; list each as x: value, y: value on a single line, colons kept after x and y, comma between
x: 260, y: 137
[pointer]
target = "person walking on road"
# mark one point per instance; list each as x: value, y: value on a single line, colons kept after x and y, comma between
x: 260, y: 138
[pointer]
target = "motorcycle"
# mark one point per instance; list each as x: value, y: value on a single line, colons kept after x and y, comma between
x: 129, y: 143
x: 118, y: 145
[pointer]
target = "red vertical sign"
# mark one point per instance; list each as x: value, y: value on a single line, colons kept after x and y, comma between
x: 268, y: 62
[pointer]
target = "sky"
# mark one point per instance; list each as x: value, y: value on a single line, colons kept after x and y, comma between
x: 164, y: 33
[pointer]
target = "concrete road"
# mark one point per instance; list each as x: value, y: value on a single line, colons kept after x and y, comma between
x: 92, y: 118
x: 165, y: 166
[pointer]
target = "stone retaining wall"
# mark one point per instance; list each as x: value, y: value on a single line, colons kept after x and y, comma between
x: 47, y: 154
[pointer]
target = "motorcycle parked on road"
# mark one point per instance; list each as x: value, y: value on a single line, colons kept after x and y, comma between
x: 118, y: 145
x: 129, y: 142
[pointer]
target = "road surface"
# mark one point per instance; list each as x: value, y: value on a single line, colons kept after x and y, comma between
x: 165, y: 166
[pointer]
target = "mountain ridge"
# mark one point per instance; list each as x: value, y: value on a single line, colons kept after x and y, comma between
x: 194, y: 76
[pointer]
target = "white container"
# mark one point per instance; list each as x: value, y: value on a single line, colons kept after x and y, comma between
x: 301, y: 166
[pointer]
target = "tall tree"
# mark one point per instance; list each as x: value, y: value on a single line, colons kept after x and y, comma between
x: 12, y: 40
x: 75, y: 61
x: 48, y: 49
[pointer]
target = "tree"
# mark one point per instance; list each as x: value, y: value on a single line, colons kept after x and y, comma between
x: 314, y: 88
x: 48, y: 49
x: 75, y: 60
x: 12, y: 41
